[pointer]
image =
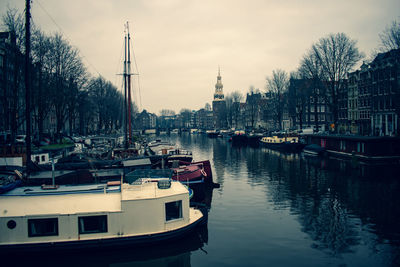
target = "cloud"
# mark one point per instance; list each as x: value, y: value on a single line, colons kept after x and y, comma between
x: 179, y: 44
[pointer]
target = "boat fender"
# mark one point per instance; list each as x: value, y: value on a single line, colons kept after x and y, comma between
x: 203, y: 173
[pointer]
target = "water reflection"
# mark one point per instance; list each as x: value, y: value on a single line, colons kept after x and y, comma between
x: 338, y: 203
x: 348, y: 210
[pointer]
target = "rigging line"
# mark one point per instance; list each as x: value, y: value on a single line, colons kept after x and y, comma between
x: 138, y: 80
x: 119, y: 65
x: 66, y: 36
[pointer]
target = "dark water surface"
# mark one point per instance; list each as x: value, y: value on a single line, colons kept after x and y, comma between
x: 275, y: 209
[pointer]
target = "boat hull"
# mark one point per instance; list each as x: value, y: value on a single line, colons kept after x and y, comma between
x: 104, y: 243
x: 284, y: 146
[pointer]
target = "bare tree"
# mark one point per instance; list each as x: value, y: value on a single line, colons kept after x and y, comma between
x: 107, y: 104
x: 186, y: 115
x: 167, y: 112
x: 14, y: 23
x: 277, y: 85
x: 236, y: 96
x: 337, y: 54
x: 40, y: 57
x: 232, y: 107
x: 68, y: 72
x: 390, y: 37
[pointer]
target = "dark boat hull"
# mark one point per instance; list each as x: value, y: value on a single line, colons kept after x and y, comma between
x: 284, y: 146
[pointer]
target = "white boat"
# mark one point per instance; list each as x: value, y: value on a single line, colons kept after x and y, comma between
x: 95, y: 216
x: 159, y: 145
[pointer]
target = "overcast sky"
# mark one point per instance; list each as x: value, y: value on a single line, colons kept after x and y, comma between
x: 179, y: 44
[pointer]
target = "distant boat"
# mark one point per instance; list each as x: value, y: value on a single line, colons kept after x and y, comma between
x: 159, y: 145
x: 177, y: 154
x: 95, y: 216
x: 9, y: 180
x: 169, y: 151
x: 212, y: 133
x: 285, y: 144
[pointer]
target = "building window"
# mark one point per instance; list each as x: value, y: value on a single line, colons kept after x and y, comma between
x: 42, y: 227
x: 92, y: 224
x: 173, y: 210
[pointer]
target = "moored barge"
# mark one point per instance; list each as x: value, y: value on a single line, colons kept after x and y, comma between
x: 376, y: 149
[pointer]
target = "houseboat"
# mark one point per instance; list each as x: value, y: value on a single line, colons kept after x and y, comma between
x: 366, y: 148
x: 285, y: 144
x: 159, y: 145
x: 177, y: 154
x: 95, y: 216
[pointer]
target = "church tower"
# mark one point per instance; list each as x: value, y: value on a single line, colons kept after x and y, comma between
x: 219, y: 94
x: 219, y: 105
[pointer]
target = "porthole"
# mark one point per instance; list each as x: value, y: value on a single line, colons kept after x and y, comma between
x: 11, y: 224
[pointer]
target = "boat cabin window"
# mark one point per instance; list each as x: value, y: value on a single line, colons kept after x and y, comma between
x: 92, y: 224
x: 42, y: 227
x: 173, y: 210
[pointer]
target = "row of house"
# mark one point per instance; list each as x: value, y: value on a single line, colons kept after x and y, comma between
x: 368, y: 102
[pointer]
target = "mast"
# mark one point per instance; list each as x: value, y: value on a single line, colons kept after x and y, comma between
x: 129, y: 88
x: 125, y: 98
x: 27, y: 83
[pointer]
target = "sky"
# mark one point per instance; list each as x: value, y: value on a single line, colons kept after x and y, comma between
x: 180, y: 44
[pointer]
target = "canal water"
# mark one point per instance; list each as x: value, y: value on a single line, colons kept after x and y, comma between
x: 274, y: 209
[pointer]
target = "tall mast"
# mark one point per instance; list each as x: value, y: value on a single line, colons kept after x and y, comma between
x: 27, y: 82
x: 125, y: 97
x: 129, y: 87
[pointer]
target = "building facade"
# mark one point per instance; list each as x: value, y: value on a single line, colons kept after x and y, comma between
x: 384, y: 73
x: 307, y: 105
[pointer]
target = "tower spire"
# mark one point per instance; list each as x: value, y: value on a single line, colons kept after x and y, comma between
x: 219, y: 94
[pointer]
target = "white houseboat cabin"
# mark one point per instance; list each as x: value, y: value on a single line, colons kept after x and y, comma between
x: 86, y: 216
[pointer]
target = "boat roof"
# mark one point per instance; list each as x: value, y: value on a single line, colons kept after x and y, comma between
x: 147, y: 189
x: 136, y: 162
x: 48, y: 174
x: 80, y: 199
